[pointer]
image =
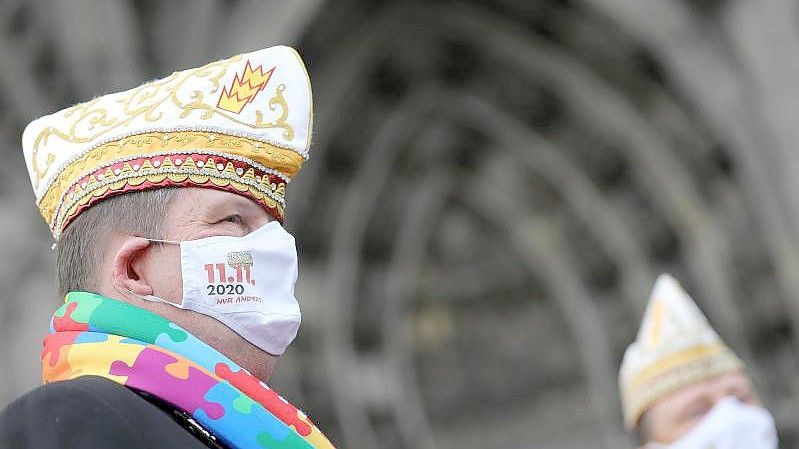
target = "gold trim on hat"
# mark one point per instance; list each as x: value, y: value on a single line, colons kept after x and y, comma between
x: 673, y: 372
x: 272, y: 159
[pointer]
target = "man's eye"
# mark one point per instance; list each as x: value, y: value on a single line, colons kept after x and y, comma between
x: 235, y: 218
x: 697, y: 411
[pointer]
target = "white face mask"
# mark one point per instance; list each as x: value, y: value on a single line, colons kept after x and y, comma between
x: 731, y: 424
x: 247, y: 283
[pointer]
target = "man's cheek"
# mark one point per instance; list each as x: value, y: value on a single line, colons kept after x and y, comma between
x: 683, y: 425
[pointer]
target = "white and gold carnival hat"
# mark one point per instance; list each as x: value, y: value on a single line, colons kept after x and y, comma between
x: 241, y: 124
x: 675, y: 347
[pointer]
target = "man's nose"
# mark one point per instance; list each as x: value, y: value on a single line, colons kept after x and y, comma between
x: 722, y: 396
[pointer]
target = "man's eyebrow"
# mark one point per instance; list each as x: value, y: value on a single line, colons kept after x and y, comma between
x: 221, y: 209
x: 217, y: 205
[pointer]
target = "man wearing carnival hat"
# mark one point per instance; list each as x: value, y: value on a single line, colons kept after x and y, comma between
x: 682, y: 387
x: 166, y: 202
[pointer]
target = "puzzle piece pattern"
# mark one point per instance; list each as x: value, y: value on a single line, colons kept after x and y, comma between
x: 94, y: 335
x: 192, y: 348
x: 110, y: 314
x: 293, y: 441
x: 266, y: 396
x: 149, y: 373
x: 257, y: 426
x: 54, y: 356
x: 64, y: 320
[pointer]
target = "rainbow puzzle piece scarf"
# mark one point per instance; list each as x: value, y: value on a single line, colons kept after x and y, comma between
x: 94, y: 335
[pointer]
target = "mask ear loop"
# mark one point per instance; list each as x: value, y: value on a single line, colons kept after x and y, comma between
x: 173, y: 242
x: 150, y: 298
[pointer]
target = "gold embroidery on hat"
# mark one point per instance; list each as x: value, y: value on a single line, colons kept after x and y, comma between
x: 40, y: 174
x: 284, y: 162
x: 209, y: 174
x: 676, y: 360
x: 92, y: 122
x: 638, y: 398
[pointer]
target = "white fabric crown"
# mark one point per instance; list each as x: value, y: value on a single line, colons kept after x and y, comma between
x: 241, y: 124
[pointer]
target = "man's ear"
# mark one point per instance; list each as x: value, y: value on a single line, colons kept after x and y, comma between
x: 126, y: 263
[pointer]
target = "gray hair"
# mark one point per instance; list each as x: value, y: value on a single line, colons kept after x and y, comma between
x: 80, y: 249
x: 642, y: 431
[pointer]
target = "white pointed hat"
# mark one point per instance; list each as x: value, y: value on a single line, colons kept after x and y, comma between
x: 242, y: 124
x: 675, y: 347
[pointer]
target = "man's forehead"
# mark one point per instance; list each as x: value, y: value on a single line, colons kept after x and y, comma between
x: 201, y: 201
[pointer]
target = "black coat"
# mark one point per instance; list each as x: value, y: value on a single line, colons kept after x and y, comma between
x: 93, y: 412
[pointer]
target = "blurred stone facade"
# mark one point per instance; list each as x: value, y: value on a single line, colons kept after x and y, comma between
x: 493, y: 188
